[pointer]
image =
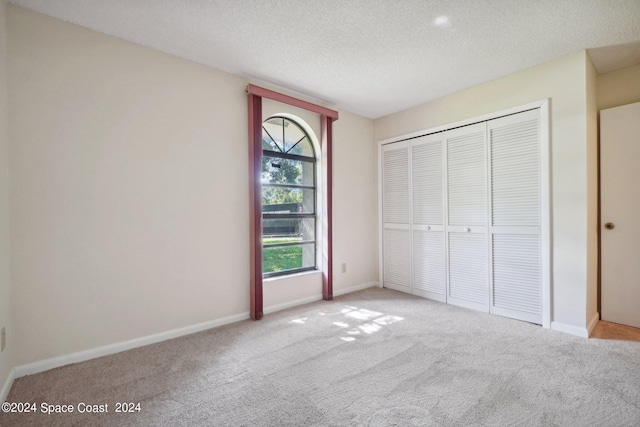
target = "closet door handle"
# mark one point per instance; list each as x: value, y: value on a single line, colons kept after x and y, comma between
x: 467, y: 229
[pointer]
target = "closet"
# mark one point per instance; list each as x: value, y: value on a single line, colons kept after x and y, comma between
x: 464, y: 215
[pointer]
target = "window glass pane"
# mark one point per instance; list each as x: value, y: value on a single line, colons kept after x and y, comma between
x: 280, y: 258
x: 284, y: 136
x: 272, y: 131
x: 292, y: 134
x: 287, y: 258
x: 268, y: 144
x: 288, y: 230
x: 285, y: 171
x: 304, y: 148
x: 287, y: 200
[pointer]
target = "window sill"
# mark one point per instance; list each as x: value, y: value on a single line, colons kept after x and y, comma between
x: 290, y: 276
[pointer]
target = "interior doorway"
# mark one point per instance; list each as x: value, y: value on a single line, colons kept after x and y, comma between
x: 620, y: 204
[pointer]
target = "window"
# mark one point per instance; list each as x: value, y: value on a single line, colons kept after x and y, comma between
x: 288, y: 198
x: 322, y: 186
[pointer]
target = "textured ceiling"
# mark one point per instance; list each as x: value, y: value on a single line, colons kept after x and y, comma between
x: 370, y: 57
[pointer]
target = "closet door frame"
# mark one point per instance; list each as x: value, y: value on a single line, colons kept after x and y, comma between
x: 545, y: 190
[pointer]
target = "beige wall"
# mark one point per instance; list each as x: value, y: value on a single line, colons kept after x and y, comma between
x: 619, y: 87
x: 564, y: 82
x: 592, y: 190
x: 355, y: 202
x: 5, y: 295
x: 130, y: 205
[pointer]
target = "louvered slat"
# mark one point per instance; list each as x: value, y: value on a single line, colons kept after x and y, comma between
x: 396, y: 186
x: 466, y: 179
x: 397, y: 258
x: 468, y: 267
x: 427, y: 183
x: 429, y: 261
x: 515, y: 174
x: 517, y: 272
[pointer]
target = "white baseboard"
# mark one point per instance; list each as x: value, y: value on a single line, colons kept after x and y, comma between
x: 7, y: 385
x: 593, y: 323
x: 570, y: 329
x: 82, y: 356
x: 356, y: 288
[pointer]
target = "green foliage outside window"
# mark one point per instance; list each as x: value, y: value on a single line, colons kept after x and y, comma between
x: 280, y: 171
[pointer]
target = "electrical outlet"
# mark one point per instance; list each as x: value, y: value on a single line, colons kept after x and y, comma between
x: 3, y: 339
x: 344, y: 267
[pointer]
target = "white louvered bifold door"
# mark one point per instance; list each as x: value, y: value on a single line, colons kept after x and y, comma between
x: 429, y: 269
x: 516, y: 245
x: 396, y: 217
x: 466, y: 196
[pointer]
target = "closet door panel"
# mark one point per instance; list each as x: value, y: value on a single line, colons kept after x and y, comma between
x: 396, y: 215
x: 468, y: 270
x: 395, y: 192
x: 466, y: 176
x: 429, y: 269
x: 515, y: 189
x: 515, y: 172
x: 516, y: 276
x: 466, y: 197
x: 397, y: 259
x: 426, y: 176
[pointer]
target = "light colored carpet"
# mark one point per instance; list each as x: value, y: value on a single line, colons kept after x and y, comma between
x: 371, y: 358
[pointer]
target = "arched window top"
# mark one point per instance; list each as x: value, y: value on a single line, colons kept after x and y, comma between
x: 284, y: 136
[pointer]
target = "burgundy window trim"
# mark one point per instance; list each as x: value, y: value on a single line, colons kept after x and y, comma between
x: 254, y: 97
x: 285, y: 99
x: 255, y: 204
x: 327, y: 208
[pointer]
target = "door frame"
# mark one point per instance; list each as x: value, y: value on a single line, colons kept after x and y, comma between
x: 545, y: 190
